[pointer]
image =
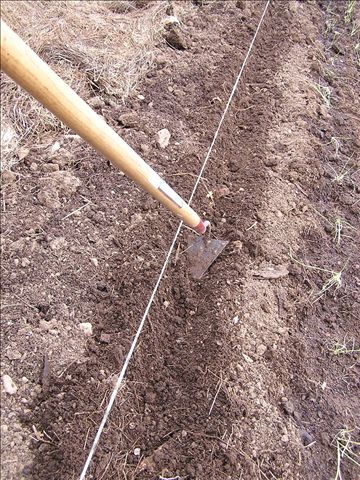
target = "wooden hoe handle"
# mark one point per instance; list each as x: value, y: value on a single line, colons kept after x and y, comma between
x: 27, y: 69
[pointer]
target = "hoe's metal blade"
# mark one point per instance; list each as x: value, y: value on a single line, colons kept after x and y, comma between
x: 202, y: 252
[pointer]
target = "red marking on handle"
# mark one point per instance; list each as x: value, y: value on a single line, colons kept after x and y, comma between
x: 201, y: 227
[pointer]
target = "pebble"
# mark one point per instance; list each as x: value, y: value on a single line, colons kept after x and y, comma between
x: 129, y: 120
x: 137, y: 451
x: 285, y: 438
x: 22, y: 153
x: 8, y: 177
x: 13, y: 354
x: 50, y: 167
x: 163, y: 138
x: 247, y: 358
x: 105, y: 338
x: 9, y: 385
x: 236, y: 320
x: 58, y: 243
x: 261, y: 349
x: 145, y: 149
x: 96, y: 102
x: 95, y: 261
x: 270, y: 161
x: 175, y: 38
x: 86, y: 327
x: 55, y: 147
x: 25, y: 262
x: 306, y: 438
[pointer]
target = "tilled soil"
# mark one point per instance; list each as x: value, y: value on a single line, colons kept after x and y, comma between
x: 235, y: 375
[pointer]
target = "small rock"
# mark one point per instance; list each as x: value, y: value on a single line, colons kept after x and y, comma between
x: 137, y: 451
x: 50, y: 167
x: 272, y: 272
x: 13, y: 354
x: 285, y: 438
x: 261, y: 349
x: 63, y: 158
x: 145, y: 149
x: 8, y: 176
x: 95, y: 261
x: 293, y: 6
x: 105, y: 337
x: 175, y: 38
x: 236, y: 320
x: 96, y: 102
x: 306, y: 438
x: 49, y: 198
x: 163, y: 138
x: 9, y: 385
x: 222, y: 191
x: 288, y: 407
x: 22, y: 153
x: 25, y: 262
x: 270, y: 161
x: 55, y: 147
x: 172, y: 20
x: 58, y: 243
x: 86, y: 328
x: 247, y: 358
x: 129, y: 120
x: 64, y: 182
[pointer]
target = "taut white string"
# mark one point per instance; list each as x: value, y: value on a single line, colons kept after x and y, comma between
x: 167, y: 258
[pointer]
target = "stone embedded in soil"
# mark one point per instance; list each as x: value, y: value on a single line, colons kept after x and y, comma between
x: 306, y: 438
x: 55, y: 147
x: 288, y: 406
x: 163, y: 138
x: 95, y: 261
x: 22, y: 153
x: 8, y: 176
x: 96, y: 102
x: 63, y: 158
x: 272, y: 272
x: 175, y: 38
x: 49, y: 199
x: 105, y: 337
x: 13, y: 354
x: 145, y: 149
x: 50, y: 167
x: 65, y: 182
x: 270, y: 161
x: 58, y: 244
x: 261, y: 349
x: 9, y: 385
x: 86, y: 328
x: 129, y: 120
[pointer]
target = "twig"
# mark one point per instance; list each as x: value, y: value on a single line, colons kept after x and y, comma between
x: 216, y: 395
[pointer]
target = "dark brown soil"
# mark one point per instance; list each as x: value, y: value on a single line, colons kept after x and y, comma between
x: 259, y: 348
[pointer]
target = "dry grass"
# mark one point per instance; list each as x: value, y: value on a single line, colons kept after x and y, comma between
x: 98, y: 47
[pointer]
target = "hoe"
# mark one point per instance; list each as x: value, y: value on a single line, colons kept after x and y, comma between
x: 27, y: 69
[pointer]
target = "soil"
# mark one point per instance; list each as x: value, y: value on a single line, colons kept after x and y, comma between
x: 234, y: 376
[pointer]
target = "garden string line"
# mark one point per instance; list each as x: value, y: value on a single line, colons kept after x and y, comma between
x: 138, y: 332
